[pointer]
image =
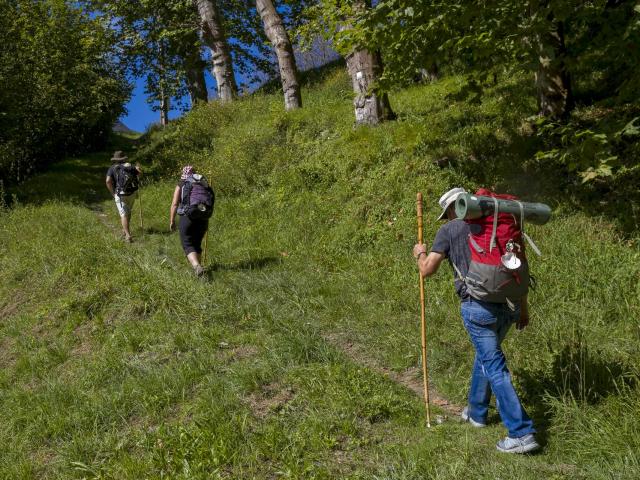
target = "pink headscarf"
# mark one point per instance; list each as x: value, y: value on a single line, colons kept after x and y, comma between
x: 187, y: 172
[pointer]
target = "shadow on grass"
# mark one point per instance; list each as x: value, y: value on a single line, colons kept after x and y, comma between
x: 158, y: 231
x: 250, y: 264
x: 77, y: 180
x: 579, y: 374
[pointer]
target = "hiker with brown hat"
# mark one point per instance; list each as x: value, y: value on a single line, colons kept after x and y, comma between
x: 123, y: 183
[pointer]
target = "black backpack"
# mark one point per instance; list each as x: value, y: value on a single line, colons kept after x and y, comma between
x: 126, y: 179
x: 196, y: 198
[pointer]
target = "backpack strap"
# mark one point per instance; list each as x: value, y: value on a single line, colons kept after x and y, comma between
x: 185, y: 193
x: 534, y: 247
x: 458, y: 272
x: 494, y: 232
x: 118, y: 174
x: 475, y: 245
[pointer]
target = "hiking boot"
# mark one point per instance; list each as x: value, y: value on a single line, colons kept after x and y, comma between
x: 524, y: 444
x: 465, y: 416
x: 128, y: 239
x: 199, y: 271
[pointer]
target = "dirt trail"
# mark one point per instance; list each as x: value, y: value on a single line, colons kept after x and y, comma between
x: 97, y: 209
x: 410, y: 378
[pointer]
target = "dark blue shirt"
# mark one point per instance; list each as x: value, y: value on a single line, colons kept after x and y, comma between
x: 452, y: 241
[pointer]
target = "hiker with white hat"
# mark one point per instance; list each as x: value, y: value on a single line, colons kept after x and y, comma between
x: 123, y: 183
x: 487, y: 324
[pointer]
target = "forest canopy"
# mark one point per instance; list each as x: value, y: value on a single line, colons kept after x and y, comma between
x: 61, y: 91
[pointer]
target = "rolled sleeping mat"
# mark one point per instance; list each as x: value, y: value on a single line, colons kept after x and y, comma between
x: 469, y: 207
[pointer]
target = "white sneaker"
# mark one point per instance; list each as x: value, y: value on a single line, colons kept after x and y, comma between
x: 465, y: 416
x: 524, y: 444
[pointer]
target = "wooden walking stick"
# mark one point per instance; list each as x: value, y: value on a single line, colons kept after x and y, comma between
x: 423, y: 323
x: 140, y: 208
x: 206, y: 243
x: 206, y: 234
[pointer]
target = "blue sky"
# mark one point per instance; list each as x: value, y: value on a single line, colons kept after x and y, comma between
x: 140, y: 115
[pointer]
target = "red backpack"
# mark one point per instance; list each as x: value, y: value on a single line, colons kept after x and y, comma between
x: 498, y: 271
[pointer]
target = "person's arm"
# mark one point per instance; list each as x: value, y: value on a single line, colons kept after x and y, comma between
x: 428, y: 263
x: 109, y: 183
x: 174, y: 208
x: 523, y: 321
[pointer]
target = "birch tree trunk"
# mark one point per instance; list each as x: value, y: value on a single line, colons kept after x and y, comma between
x: 194, y: 67
x: 365, y: 68
x: 553, y: 82
x: 214, y: 37
x: 164, y: 97
x: 277, y: 34
x: 164, y: 109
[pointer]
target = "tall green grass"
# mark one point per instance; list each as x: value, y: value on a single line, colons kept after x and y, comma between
x: 117, y: 363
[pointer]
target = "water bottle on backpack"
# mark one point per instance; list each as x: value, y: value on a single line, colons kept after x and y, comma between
x: 196, y: 198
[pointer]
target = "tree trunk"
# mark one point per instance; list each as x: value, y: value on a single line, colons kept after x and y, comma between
x: 553, y: 82
x: 194, y: 71
x: 428, y: 75
x: 214, y: 37
x: 277, y: 34
x: 164, y: 98
x: 364, y: 68
x: 197, y: 86
x: 164, y: 109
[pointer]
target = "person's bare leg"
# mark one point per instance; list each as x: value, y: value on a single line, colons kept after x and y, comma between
x: 194, y: 259
x: 125, y: 226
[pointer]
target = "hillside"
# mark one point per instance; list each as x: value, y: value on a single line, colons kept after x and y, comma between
x: 298, y: 357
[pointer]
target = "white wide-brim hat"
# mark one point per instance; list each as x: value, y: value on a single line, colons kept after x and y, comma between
x: 448, y: 198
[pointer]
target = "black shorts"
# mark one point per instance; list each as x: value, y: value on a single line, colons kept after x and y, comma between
x: 191, y: 234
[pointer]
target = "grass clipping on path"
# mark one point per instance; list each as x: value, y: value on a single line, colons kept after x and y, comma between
x: 117, y: 363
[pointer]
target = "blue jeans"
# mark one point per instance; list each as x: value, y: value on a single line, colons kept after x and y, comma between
x: 487, y: 325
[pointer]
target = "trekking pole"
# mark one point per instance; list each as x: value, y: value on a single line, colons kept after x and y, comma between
x: 423, y: 324
x: 206, y: 235
x: 140, y: 202
x: 206, y: 243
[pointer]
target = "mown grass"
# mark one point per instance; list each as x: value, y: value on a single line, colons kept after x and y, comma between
x: 117, y: 363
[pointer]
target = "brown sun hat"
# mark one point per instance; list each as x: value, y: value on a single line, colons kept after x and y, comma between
x: 119, y: 156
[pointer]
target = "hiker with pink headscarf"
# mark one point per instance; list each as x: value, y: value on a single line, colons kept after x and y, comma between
x: 193, y: 201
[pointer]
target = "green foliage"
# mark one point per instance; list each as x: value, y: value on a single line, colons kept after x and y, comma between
x: 584, y: 152
x: 155, y: 38
x: 61, y: 91
x: 118, y: 363
x: 598, y: 153
x: 482, y: 38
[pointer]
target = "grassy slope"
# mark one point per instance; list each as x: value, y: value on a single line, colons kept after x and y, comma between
x: 116, y: 363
